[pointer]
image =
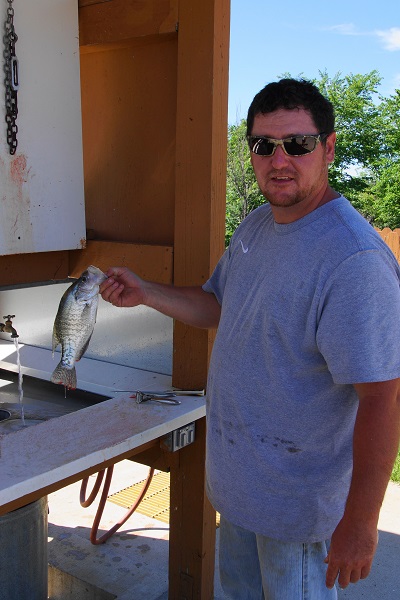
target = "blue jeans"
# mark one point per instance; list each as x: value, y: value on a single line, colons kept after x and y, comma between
x: 255, y: 567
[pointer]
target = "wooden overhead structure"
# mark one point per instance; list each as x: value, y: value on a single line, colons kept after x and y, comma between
x: 154, y: 81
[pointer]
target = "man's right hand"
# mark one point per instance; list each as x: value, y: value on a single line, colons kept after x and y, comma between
x: 122, y: 288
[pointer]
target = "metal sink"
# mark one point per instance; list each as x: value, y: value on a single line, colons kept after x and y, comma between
x: 4, y: 414
x: 41, y: 401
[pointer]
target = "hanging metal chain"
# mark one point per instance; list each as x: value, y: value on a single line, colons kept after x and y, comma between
x: 11, y: 81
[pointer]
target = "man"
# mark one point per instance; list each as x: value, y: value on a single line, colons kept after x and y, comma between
x: 303, y: 394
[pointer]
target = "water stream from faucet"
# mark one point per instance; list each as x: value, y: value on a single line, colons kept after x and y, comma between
x: 20, y: 378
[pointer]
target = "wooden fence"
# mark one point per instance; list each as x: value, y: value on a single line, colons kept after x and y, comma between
x: 392, y: 238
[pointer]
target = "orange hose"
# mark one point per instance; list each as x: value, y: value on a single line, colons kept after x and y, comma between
x: 106, y: 488
x: 87, y: 502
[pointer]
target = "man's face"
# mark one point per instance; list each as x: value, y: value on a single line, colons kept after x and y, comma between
x: 294, y: 185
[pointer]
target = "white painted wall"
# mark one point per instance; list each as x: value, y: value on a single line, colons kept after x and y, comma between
x: 41, y: 186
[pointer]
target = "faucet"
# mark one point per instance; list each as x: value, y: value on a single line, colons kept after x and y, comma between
x: 8, y: 327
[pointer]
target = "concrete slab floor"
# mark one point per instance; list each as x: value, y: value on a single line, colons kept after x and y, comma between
x: 134, y: 562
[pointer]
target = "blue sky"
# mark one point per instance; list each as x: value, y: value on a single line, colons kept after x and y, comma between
x: 303, y: 37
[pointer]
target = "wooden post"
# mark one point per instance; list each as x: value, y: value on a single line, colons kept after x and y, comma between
x: 201, y: 144
x: 192, y: 524
x: 201, y: 147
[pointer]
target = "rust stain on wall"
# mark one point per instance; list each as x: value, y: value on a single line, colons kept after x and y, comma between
x: 15, y: 217
x: 18, y: 171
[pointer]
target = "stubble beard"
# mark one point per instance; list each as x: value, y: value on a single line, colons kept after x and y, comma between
x: 292, y: 198
x: 281, y: 199
x: 285, y: 201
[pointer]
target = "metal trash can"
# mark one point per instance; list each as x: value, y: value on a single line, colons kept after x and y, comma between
x: 23, y: 553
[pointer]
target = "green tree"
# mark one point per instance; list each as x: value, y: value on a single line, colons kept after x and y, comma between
x: 359, y: 130
x: 242, y: 192
x: 380, y: 202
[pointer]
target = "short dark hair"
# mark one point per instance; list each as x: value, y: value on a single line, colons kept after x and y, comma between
x: 290, y: 94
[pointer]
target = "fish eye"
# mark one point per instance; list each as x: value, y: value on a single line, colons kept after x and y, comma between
x: 84, y: 278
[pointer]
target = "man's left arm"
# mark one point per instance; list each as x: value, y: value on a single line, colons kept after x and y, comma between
x: 375, y: 446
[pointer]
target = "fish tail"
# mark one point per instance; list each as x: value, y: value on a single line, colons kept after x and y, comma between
x: 63, y: 376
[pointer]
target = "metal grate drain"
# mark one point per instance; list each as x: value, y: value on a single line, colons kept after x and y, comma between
x: 155, y: 504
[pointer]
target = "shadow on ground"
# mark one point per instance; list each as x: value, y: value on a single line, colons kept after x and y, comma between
x: 131, y: 564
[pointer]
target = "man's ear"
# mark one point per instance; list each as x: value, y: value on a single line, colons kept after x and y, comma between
x: 330, y: 147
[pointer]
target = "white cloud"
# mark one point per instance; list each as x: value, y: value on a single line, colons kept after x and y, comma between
x: 390, y: 38
x: 345, y: 29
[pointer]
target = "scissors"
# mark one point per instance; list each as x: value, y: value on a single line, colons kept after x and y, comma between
x: 161, y: 397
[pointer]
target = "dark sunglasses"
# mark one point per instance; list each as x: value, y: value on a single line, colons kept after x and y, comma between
x: 297, y: 145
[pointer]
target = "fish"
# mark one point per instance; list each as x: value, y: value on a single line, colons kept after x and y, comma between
x: 74, y: 324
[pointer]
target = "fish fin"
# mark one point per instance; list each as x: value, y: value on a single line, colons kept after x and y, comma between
x: 54, y: 347
x: 65, y: 377
x: 85, y: 347
x: 55, y: 342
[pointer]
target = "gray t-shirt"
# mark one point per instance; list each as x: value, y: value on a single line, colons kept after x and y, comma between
x: 308, y: 308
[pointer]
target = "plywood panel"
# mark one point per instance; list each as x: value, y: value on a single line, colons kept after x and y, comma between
x: 129, y: 117
x: 120, y: 20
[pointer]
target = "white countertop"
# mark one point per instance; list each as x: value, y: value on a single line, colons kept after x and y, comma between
x: 45, y: 454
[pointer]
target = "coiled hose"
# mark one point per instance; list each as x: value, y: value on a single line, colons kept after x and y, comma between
x: 85, y: 502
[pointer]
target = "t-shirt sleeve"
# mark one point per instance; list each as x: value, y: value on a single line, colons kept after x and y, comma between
x: 216, y: 283
x: 358, y: 331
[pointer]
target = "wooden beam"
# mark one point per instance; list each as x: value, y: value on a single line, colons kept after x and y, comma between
x: 120, y: 20
x: 201, y: 147
x: 20, y: 269
x: 149, y: 262
x: 88, y: 2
